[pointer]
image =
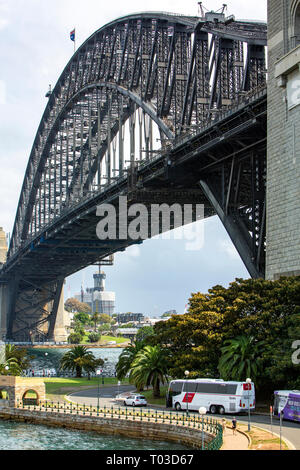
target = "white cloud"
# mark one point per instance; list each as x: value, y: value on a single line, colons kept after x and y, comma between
x: 3, y: 23
x: 2, y: 92
x: 133, y: 251
x: 226, y: 246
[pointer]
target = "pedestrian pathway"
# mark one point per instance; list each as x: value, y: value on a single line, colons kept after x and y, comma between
x: 234, y: 442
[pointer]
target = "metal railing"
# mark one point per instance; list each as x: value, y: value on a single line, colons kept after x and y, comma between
x: 207, y: 425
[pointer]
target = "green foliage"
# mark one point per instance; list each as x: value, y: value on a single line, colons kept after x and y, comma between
x: 94, y: 337
x: 82, y: 318
x: 105, y: 327
x: 150, y: 367
x: 75, y: 338
x: 79, y: 358
x: 73, y: 305
x: 16, y: 360
x: 241, y: 359
x: 127, y: 325
x: 145, y: 333
x: 105, y: 319
x: 126, y: 358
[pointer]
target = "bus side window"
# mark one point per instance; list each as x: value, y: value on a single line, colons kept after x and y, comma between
x: 276, y: 403
x: 190, y: 387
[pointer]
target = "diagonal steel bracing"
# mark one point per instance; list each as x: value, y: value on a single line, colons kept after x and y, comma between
x: 151, y: 102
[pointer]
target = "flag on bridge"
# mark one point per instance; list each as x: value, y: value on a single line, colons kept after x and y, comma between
x: 72, y: 35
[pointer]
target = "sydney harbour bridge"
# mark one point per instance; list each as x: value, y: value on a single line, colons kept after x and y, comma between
x: 158, y: 107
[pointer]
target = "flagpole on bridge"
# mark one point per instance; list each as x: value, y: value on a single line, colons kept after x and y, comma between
x: 73, y: 38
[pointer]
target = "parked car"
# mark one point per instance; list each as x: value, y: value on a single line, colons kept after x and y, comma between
x: 135, y: 400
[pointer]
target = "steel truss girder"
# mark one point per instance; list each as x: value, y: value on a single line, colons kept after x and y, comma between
x: 172, y: 71
x: 29, y: 313
x: 236, y: 190
x: 156, y: 60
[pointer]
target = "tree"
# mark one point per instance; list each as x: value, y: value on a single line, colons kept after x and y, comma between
x: 145, y: 333
x: 94, y: 337
x: 104, y: 318
x: 83, y: 318
x: 16, y: 360
x: 79, y: 359
x: 95, y: 319
x: 265, y: 310
x: 73, y: 305
x: 150, y: 367
x: 105, y: 328
x: 126, y: 358
x: 240, y: 358
x: 75, y: 338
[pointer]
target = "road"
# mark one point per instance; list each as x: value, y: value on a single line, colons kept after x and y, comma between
x: 107, y: 395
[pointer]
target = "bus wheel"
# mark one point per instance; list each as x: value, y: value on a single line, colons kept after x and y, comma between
x: 213, y: 409
x: 178, y: 406
x: 221, y: 410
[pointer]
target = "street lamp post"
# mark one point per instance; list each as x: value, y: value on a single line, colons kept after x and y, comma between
x: 46, y: 354
x: 98, y: 393
x: 187, y: 373
x: 202, y: 412
x: 280, y: 424
x: 105, y: 361
x: 248, y: 381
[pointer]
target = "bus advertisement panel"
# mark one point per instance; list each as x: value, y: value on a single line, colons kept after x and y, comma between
x: 287, y: 404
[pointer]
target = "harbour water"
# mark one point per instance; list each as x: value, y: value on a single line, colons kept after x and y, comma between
x: 49, y: 359
x: 20, y: 436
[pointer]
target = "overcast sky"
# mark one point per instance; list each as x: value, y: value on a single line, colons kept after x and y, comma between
x: 34, y: 48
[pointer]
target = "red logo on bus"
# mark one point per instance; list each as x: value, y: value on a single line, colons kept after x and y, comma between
x: 247, y: 387
x: 188, y: 398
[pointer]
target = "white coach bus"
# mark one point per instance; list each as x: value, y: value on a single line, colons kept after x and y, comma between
x: 216, y: 395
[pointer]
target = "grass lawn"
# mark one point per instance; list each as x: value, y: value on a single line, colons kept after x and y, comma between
x: 262, y: 439
x: 113, y: 338
x: 104, y: 340
x: 58, y: 387
x: 155, y: 401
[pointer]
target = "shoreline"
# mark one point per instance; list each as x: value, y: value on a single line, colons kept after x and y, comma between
x: 69, y: 346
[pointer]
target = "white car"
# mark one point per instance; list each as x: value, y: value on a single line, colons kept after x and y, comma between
x: 135, y: 400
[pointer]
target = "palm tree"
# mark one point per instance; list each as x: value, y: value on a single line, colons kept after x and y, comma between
x: 95, y: 319
x: 79, y: 359
x: 240, y: 358
x: 126, y: 358
x: 16, y: 360
x: 150, y: 367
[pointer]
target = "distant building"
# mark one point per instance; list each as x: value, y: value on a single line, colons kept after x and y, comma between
x: 100, y: 300
x: 130, y: 317
x: 170, y: 313
x: 129, y: 333
x: 3, y: 246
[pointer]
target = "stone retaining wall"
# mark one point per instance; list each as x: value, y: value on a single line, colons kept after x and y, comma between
x: 190, y: 437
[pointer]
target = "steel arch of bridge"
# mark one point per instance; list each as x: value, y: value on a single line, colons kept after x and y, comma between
x: 203, y: 86
x: 180, y: 70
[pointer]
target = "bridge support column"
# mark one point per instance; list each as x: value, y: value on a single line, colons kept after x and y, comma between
x: 3, y: 310
x: 237, y: 233
x: 34, y: 313
x: 57, y: 331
